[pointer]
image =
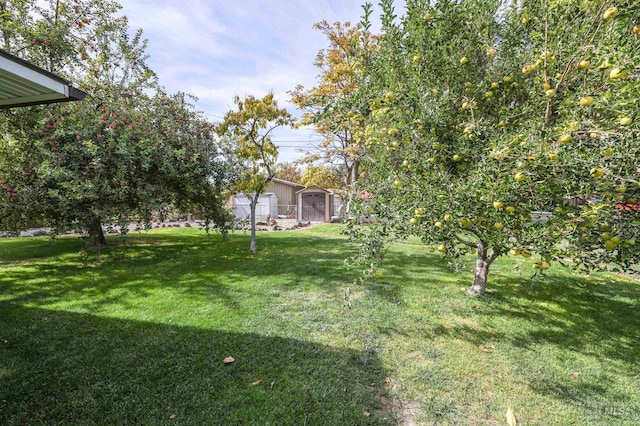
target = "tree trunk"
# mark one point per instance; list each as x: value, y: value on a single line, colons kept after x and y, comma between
x: 479, y: 285
x: 253, y: 203
x: 96, y: 232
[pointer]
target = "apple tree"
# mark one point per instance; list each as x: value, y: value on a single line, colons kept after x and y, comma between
x: 505, y: 127
x: 250, y: 128
x: 127, y: 150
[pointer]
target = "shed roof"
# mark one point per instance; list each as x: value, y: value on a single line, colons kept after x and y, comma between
x: 313, y: 188
x: 22, y: 84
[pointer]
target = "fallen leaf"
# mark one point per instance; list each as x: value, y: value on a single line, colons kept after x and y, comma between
x: 256, y: 383
x: 366, y: 413
x: 373, y: 385
x: 485, y: 348
x: 344, y: 389
x: 272, y: 383
x: 173, y: 416
x: 575, y: 373
x: 229, y: 360
x: 511, y: 419
x: 387, y: 380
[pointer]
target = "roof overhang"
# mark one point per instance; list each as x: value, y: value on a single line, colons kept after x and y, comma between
x: 22, y: 84
x: 313, y: 188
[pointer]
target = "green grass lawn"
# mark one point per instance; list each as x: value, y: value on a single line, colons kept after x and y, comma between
x: 141, y: 338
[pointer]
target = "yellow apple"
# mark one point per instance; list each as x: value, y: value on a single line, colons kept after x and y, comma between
x: 550, y: 93
x: 586, y: 101
x: 448, y: 217
x: 491, y: 52
x: 413, y: 221
x: 636, y: 29
x: 464, y: 222
x: 564, y: 139
x: 507, y: 79
x: 610, y: 13
x: 498, y: 226
x: 514, y: 252
x: 497, y: 204
x: 397, y: 183
x: 605, y: 64
x: 502, y: 123
x: 584, y: 64
x: 520, y: 176
x: 596, y: 172
x: 416, y: 58
x: 464, y: 60
x: 489, y: 94
x: 510, y: 209
x: 617, y: 74
x: 546, y: 85
x: 625, y: 121
x: 495, y: 85
x: 426, y: 16
x: 439, y: 224
x: 610, y: 245
x: 542, y: 265
x: 441, y: 247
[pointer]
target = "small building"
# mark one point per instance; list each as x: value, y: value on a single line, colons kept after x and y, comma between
x: 278, y: 201
x: 317, y: 204
x: 285, y: 192
x: 289, y: 200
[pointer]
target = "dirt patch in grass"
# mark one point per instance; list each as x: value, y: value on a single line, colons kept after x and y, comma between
x: 402, y: 413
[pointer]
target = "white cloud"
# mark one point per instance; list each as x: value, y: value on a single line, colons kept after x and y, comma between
x: 216, y: 49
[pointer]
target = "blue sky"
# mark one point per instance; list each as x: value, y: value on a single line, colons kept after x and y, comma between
x: 216, y: 49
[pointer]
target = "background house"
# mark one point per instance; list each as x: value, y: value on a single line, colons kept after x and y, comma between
x: 289, y: 200
x: 278, y: 201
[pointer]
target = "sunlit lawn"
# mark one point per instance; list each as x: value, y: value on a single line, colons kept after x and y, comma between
x: 141, y: 338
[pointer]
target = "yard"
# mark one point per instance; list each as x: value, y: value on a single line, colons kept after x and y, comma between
x: 142, y: 337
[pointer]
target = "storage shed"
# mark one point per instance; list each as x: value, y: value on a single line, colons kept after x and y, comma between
x: 316, y: 204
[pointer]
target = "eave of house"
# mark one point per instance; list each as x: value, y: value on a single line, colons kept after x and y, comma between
x: 23, y: 84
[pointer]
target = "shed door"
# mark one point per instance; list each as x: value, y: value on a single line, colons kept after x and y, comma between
x: 313, y: 207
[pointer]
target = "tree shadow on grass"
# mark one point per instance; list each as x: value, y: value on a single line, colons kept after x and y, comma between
x: 194, y: 264
x: 593, y: 319
x: 67, y: 368
x: 578, y: 339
